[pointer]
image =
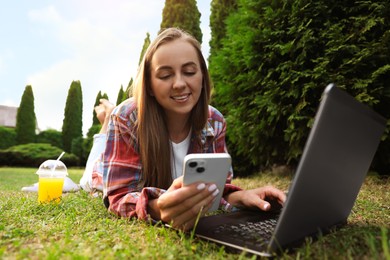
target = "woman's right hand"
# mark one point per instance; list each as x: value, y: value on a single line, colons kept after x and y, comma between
x: 180, y: 205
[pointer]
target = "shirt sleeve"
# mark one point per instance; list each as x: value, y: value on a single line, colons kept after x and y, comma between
x: 122, y: 191
x: 98, y: 146
x: 219, y: 125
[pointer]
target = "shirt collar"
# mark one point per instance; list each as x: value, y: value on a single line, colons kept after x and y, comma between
x: 207, y: 132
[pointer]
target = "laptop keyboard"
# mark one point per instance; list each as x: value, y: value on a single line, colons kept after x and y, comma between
x: 252, y: 233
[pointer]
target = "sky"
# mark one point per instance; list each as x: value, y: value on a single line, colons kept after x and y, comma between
x: 48, y: 44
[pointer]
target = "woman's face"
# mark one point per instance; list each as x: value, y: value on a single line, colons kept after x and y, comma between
x: 176, y: 78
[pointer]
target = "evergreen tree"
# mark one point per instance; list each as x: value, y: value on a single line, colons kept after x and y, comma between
x: 278, y: 56
x: 25, y: 118
x: 122, y: 96
x: 73, y: 122
x: 144, y: 47
x: 183, y: 14
x: 220, y: 10
x: 126, y: 94
x: 95, y: 121
x: 128, y: 91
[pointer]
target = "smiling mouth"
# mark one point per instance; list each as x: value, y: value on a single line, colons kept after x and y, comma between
x: 181, y: 97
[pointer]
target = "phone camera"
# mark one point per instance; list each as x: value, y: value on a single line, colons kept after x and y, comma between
x: 200, y: 169
x: 193, y: 164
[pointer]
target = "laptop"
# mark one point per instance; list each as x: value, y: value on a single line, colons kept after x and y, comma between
x: 331, y: 171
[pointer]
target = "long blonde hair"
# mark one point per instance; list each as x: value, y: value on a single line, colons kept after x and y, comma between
x: 153, y: 137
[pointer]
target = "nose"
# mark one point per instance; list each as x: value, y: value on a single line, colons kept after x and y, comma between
x: 179, y: 82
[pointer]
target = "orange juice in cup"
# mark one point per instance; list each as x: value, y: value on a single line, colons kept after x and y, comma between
x: 51, y: 180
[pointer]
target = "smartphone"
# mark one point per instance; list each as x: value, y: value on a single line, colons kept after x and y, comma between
x: 207, y: 168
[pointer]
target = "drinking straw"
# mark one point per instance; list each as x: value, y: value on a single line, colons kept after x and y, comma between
x: 58, y: 159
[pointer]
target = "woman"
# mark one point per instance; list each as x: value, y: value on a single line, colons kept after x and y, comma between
x: 149, y: 135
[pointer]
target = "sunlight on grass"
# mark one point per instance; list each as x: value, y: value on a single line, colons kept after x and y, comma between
x: 80, y: 227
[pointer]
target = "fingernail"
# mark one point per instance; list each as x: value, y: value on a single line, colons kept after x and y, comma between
x: 201, y: 186
x: 212, y: 187
x: 215, y: 193
x: 266, y: 206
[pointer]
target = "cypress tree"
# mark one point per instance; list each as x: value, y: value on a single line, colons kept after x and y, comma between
x: 128, y: 91
x: 144, y: 47
x: 73, y: 122
x: 183, y: 14
x: 95, y: 121
x: 220, y: 10
x: 121, y: 96
x: 105, y: 96
x: 25, y: 118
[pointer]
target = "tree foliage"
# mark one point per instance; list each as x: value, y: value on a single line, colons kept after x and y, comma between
x: 128, y: 90
x: 72, y: 123
x: 144, y: 47
x: 183, y: 14
x: 7, y: 137
x: 220, y: 10
x: 275, y: 61
x: 121, y: 96
x: 25, y: 118
x: 50, y: 136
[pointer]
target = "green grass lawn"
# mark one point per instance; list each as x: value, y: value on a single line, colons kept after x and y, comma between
x: 81, y: 228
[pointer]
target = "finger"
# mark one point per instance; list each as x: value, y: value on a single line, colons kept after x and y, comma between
x: 274, y: 193
x: 197, y: 210
x: 176, y: 184
x: 270, y: 193
x: 264, y: 205
x: 172, y: 205
x: 187, y: 221
x: 178, y: 194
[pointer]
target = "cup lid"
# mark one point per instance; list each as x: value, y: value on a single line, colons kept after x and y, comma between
x: 53, y: 167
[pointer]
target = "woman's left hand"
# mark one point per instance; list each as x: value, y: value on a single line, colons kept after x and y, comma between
x: 256, y: 198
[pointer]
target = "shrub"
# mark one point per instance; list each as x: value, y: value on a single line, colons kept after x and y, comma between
x: 33, y: 154
x: 277, y: 58
x: 50, y: 136
x: 7, y: 137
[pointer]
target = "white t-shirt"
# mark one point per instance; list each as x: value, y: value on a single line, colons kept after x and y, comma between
x: 179, y: 151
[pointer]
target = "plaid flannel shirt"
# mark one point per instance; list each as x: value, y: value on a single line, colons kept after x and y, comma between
x: 122, y: 168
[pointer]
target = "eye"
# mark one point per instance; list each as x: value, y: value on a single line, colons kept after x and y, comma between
x: 164, y: 76
x: 189, y: 73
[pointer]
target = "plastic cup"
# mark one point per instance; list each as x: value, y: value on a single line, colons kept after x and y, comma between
x: 51, y: 181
